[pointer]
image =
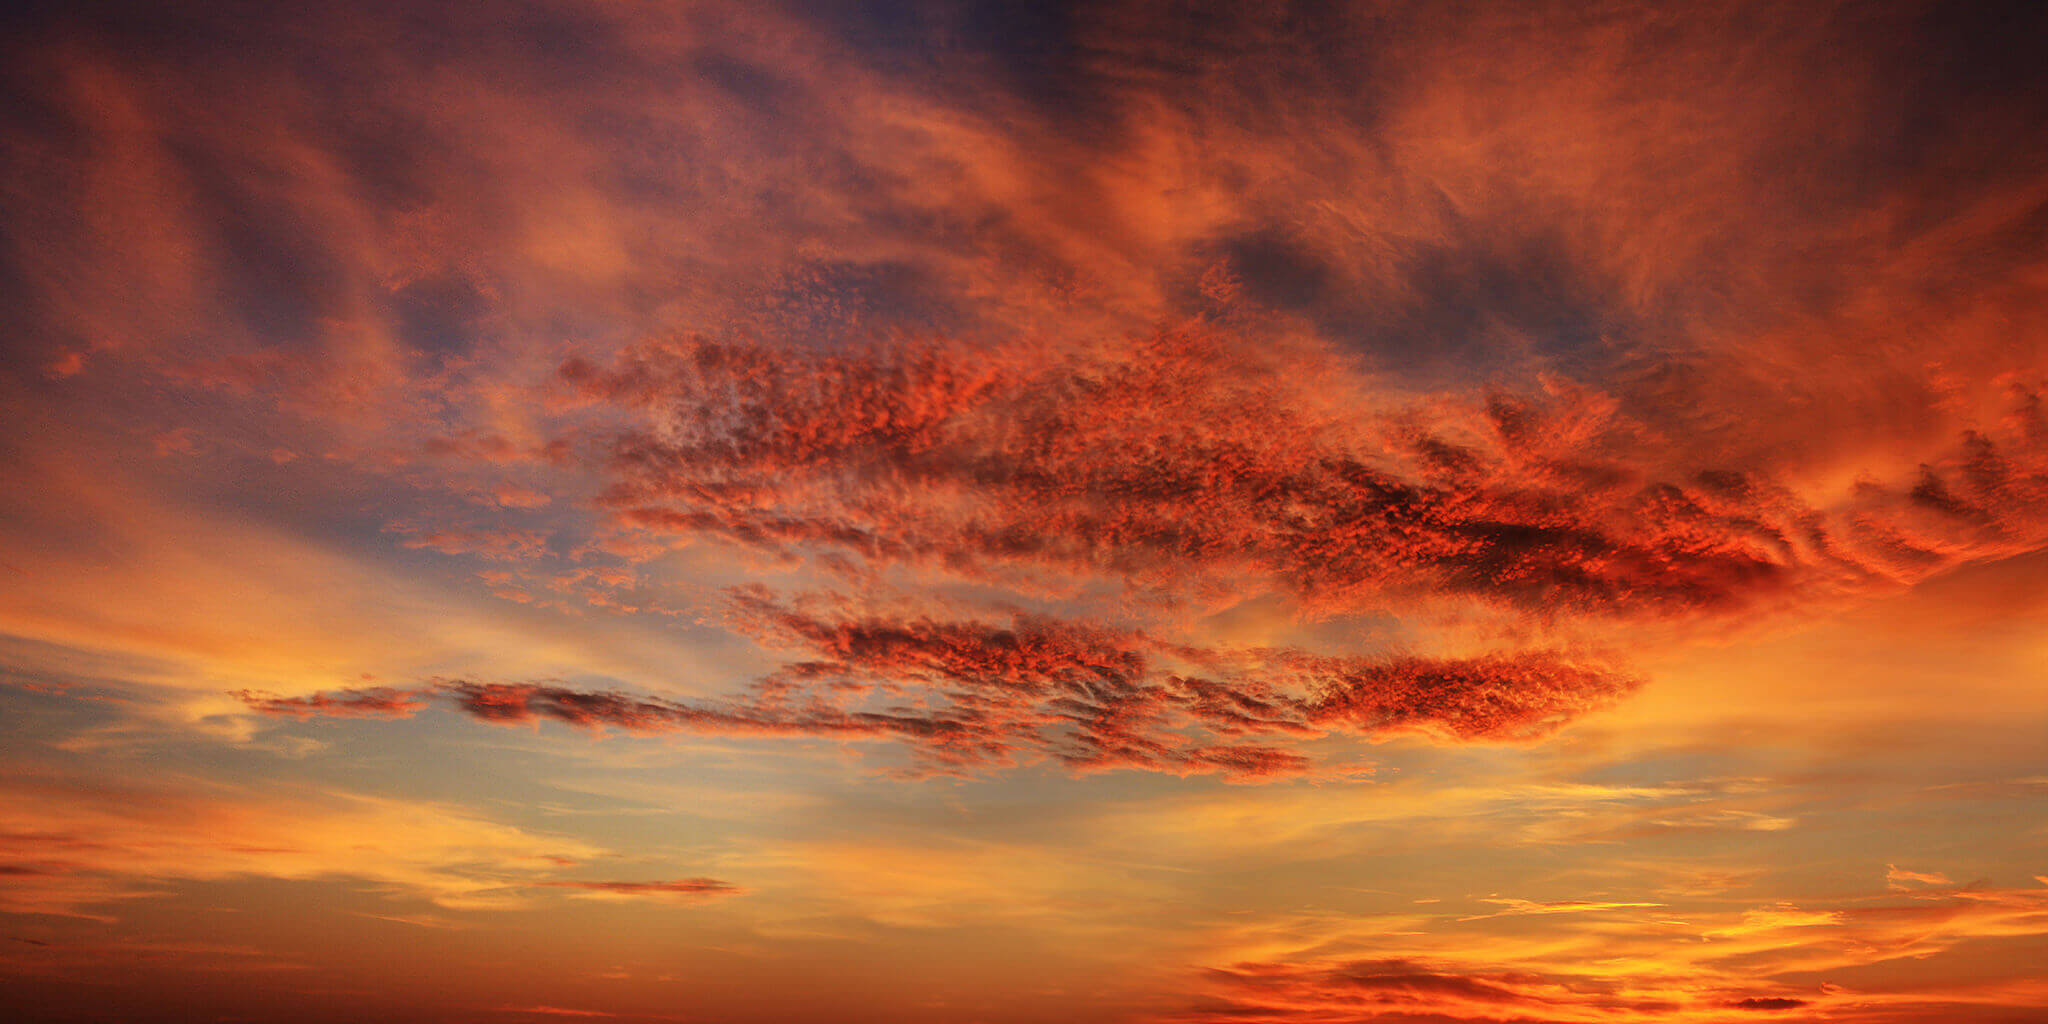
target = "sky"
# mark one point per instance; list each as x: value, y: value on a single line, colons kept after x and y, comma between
x: 986, y: 513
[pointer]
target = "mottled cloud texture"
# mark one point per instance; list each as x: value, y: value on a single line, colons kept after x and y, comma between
x: 1586, y: 461
x: 1180, y: 460
x: 968, y: 694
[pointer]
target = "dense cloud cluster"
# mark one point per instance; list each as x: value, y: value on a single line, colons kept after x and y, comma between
x: 1190, y: 461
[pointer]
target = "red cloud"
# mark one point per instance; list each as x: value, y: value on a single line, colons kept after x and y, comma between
x: 977, y: 695
x: 1494, y: 696
x: 1186, y: 461
x: 371, y: 702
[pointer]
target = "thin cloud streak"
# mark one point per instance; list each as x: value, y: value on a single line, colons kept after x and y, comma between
x: 970, y: 696
x: 688, y: 888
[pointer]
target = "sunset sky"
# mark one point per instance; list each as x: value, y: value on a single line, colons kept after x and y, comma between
x: 1113, y: 513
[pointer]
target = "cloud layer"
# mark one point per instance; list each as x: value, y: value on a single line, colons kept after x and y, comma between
x: 1767, y: 962
x: 1621, y: 422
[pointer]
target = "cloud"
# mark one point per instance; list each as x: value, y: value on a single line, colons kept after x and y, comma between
x: 1326, y: 991
x: 1423, y: 354
x: 969, y: 695
x: 684, y: 887
x: 371, y: 702
x: 1184, y: 459
x: 1513, y: 907
x: 494, y: 544
x: 1768, y: 1003
x: 1652, y: 962
x: 1491, y: 334
x: 1898, y: 877
x: 85, y: 845
x: 544, y: 1010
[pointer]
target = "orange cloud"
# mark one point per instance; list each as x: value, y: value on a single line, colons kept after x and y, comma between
x: 1648, y: 961
x: 79, y: 847
x: 1898, y: 877
x: 685, y: 887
